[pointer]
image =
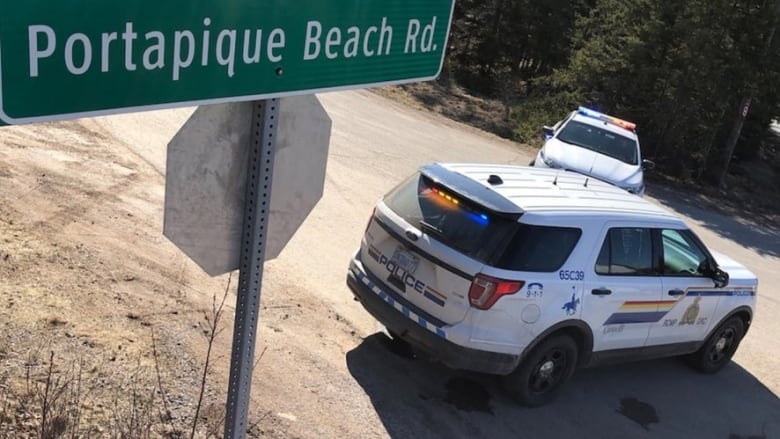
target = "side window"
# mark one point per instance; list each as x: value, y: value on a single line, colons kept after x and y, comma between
x: 539, y: 248
x: 626, y: 251
x: 682, y: 256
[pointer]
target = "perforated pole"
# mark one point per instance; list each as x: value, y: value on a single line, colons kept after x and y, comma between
x: 265, y: 117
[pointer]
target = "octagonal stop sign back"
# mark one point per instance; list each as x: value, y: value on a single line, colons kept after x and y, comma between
x: 206, y: 178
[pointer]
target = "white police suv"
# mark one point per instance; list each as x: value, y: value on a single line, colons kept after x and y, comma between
x: 597, y: 145
x: 530, y: 273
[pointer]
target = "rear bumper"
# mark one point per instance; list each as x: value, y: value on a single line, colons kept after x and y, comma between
x: 421, y: 334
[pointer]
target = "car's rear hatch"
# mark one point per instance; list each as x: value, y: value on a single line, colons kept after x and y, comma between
x: 431, y: 235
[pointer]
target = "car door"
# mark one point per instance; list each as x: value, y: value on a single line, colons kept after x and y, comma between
x: 623, y: 298
x: 686, y: 280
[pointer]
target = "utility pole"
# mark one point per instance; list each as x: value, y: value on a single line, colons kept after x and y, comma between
x: 744, y: 106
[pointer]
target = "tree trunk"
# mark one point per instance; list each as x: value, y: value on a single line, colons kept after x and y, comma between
x: 731, y: 143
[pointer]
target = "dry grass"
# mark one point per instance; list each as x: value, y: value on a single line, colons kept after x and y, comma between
x: 455, y: 103
x: 60, y: 389
x: 45, y: 395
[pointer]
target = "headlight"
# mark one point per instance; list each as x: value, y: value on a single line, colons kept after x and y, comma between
x: 550, y: 162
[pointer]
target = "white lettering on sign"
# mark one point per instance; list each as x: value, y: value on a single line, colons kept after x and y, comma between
x: 86, y: 48
x: 385, y: 37
x: 367, y: 40
x: 352, y: 44
x: 129, y: 37
x: 229, y: 37
x: 333, y: 39
x: 105, y: 44
x: 336, y: 46
x: 77, y: 53
x: 35, y: 54
x: 312, y: 46
x: 425, y: 38
x: 157, y: 49
x: 178, y: 61
x: 204, y: 54
x: 275, y: 41
x: 175, y: 51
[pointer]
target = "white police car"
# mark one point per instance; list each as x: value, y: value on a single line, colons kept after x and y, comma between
x: 597, y: 145
x: 530, y: 273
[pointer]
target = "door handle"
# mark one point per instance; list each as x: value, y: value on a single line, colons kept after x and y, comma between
x: 676, y: 292
x: 600, y: 292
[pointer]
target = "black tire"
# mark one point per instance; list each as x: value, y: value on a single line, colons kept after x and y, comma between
x: 532, y: 162
x: 541, y: 374
x: 719, y: 347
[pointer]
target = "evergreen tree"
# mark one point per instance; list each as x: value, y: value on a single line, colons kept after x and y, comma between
x: 679, y: 70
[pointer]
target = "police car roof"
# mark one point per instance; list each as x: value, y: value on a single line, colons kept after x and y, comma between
x: 604, y: 125
x: 521, y: 189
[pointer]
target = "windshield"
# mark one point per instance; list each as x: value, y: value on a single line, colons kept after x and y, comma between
x: 600, y: 140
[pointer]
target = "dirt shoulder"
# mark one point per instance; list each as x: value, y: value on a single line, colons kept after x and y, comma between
x: 108, y: 321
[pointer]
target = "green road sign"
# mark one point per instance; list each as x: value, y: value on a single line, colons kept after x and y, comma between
x: 67, y: 59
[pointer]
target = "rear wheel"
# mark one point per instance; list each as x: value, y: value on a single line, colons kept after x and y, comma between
x: 719, y: 348
x: 538, y: 378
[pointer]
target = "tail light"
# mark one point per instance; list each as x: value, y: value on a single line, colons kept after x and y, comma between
x: 486, y: 290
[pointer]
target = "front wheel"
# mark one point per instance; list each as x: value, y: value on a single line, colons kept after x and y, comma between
x: 719, y: 348
x: 538, y: 378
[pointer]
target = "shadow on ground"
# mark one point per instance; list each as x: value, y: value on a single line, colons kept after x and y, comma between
x: 415, y: 398
x: 761, y: 233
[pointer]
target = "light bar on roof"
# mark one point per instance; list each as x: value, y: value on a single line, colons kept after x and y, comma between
x: 478, y: 217
x: 591, y: 113
x: 601, y: 116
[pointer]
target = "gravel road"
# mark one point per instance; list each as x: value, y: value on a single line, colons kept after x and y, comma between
x: 326, y: 368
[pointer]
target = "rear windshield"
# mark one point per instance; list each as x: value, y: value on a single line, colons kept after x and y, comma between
x: 478, y: 233
x: 450, y: 219
x: 599, y: 140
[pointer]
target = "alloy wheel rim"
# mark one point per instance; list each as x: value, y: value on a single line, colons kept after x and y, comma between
x: 722, y: 346
x: 548, y: 371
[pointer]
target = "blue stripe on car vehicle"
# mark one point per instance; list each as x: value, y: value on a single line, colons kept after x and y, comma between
x: 720, y: 293
x: 399, y: 307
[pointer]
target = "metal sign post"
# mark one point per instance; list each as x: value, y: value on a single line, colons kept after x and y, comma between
x: 258, y: 195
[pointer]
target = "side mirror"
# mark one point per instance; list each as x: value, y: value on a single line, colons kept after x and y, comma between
x: 720, y: 277
x: 648, y: 165
x: 548, y: 132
